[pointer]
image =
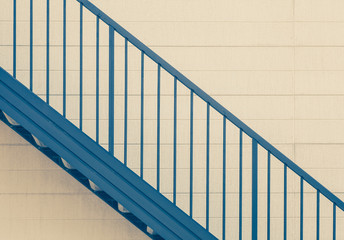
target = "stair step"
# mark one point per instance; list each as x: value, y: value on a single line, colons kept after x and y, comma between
x: 94, y: 186
x: 122, y: 209
x: 39, y: 142
x: 151, y: 231
x: 11, y: 120
x: 66, y: 164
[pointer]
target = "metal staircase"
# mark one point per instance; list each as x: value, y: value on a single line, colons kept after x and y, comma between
x: 96, y: 165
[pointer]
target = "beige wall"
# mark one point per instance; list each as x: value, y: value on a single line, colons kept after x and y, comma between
x: 38, y: 200
x: 277, y: 65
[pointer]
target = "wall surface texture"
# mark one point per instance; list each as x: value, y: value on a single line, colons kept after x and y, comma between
x: 276, y: 64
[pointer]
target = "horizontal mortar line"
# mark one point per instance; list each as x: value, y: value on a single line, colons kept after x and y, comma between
x: 184, y: 21
x: 179, y: 95
x: 166, y: 168
x: 188, y: 119
x: 194, y: 217
x: 192, y: 70
x: 193, y: 46
x: 15, y: 144
x: 165, y: 193
x: 52, y: 193
x: 213, y: 119
x: 187, y: 94
x: 220, y: 144
x: 164, y: 144
x: 195, y: 70
x: 63, y: 219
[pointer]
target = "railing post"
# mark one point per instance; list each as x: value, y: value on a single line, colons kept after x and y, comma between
x: 240, y: 184
x: 224, y: 166
x: 175, y: 142
x: 207, y: 170
x: 268, y: 196
x: 191, y: 151
x: 64, y: 56
x: 81, y: 83
x: 142, y: 112
x: 97, y: 81
x: 31, y: 45
x: 301, y: 208
x: 125, y: 100
x: 111, y: 89
x: 47, y: 53
x: 254, y: 190
x: 158, y: 133
x: 334, y: 221
x: 14, y: 38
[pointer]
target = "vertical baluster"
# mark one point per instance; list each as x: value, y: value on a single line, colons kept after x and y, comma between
x: 268, y: 197
x: 254, y: 190
x: 111, y: 88
x: 318, y: 214
x: 285, y: 203
x: 301, y: 208
x: 158, y: 133
x: 191, y: 152
x: 48, y: 53
x: 142, y: 111
x: 224, y: 142
x: 31, y: 45
x: 207, y: 169
x: 14, y: 38
x: 125, y: 100
x: 97, y: 81
x: 81, y: 43
x: 175, y: 143
x: 334, y: 221
x: 64, y: 57
x: 240, y: 185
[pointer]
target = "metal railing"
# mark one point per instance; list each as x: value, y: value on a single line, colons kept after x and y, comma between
x: 212, y: 106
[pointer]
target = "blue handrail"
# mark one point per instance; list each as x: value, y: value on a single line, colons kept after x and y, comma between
x: 213, y: 103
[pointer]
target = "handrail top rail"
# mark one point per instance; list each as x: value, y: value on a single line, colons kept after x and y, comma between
x: 211, y: 101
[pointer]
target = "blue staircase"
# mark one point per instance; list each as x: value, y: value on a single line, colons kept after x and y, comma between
x: 111, y: 178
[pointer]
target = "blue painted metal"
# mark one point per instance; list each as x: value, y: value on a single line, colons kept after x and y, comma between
x: 81, y: 43
x: 301, y: 209
x: 142, y: 112
x: 268, y: 197
x: 64, y: 57
x: 215, y: 105
x: 125, y: 101
x: 318, y: 215
x: 95, y: 163
x: 97, y: 80
x: 111, y: 89
x: 285, y: 204
x: 191, y: 153
x: 254, y: 190
x: 207, y: 172
x: 158, y: 132
x: 175, y: 142
x: 240, y: 185
x: 48, y: 54
x: 256, y: 139
x: 31, y: 45
x: 334, y: 221
x: 14, y: 38
x: 224, y: 168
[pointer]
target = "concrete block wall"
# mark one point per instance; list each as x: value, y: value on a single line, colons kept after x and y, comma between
x: 277, y: 65
x: 38, y: 200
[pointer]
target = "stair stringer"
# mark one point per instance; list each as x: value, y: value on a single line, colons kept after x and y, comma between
x: 95, y: 163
